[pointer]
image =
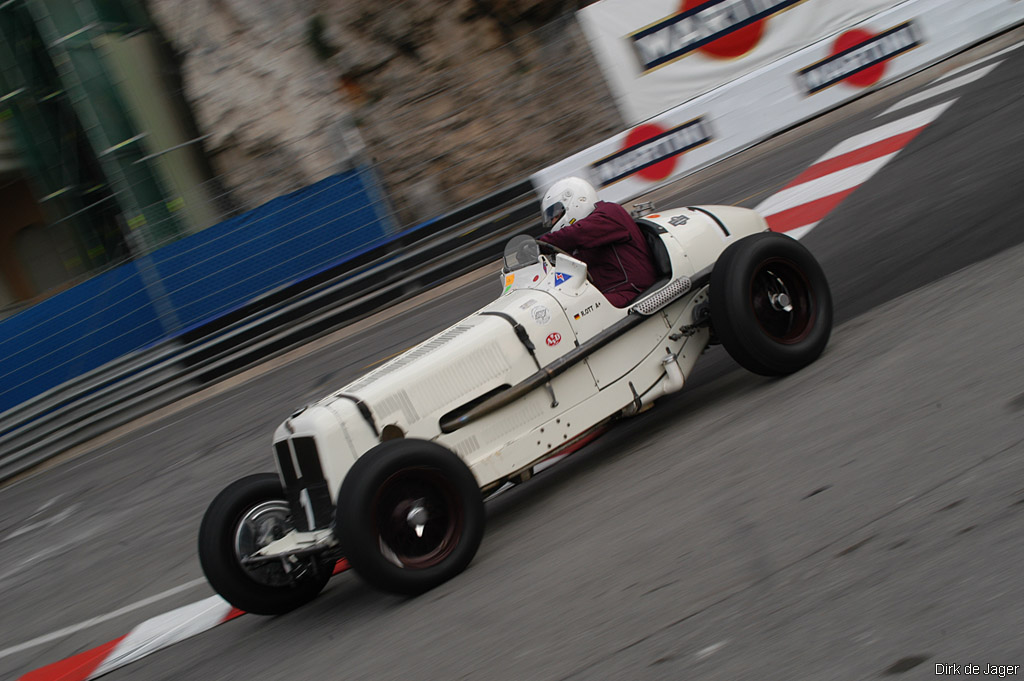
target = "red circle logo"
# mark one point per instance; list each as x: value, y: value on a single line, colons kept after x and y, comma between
x: 734, y: 44
x: 639, y: 135
x: 553, y: 339
x: 866, y: 77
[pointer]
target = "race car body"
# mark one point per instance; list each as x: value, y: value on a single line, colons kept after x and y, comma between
x: 548, y: 310
x: 389, y: 471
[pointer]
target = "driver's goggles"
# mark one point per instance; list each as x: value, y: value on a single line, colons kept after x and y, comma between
x: 553, y: 214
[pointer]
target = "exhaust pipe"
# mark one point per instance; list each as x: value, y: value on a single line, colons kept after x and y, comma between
x: 671, y: 382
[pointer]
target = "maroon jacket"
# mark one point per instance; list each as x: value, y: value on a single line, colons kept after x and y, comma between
x: 617, y: 256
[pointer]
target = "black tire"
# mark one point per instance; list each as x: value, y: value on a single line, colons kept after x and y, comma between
x: 384, y: 488
x: 266, y: 589
x: 751, y: 319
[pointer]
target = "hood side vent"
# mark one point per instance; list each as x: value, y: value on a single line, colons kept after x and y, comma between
x: 414, y: 355
x: 466, y: 447
x: 450, y: 385
x: 399, y: 402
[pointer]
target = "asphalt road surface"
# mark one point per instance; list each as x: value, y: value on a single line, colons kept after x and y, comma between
x: 860, y: 519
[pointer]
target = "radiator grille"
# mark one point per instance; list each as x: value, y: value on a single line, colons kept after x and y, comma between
x: 304, y: 485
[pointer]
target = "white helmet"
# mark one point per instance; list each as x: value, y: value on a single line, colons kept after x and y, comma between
x: 566, y: 202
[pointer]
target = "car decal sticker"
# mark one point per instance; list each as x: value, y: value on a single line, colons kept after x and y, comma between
x: 587, y: 310
x: 541, y: 315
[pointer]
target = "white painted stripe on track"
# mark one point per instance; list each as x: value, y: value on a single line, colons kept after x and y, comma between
x: 969, y: 65
x: 941, y: 88
x: 164, y: 630
x: 41, y: 524
x: 74, y: 628
x: 800, y: 232
x: 886, y: 131
x: 833, y: 183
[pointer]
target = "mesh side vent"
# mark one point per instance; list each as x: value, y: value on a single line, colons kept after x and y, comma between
x: 450, y: 384
x: 414, y: 355
x: 662, y: 296
x: 523, y: 413
x: 399, y: 402
x: 466, y: 447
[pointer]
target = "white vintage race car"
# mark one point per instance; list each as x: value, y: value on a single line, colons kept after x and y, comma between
x: 391, y: 471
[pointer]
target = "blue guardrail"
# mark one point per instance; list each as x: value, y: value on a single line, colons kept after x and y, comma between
x: 188, y: 282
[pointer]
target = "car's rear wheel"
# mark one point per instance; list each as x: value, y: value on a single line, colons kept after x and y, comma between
x: 770, y: 304
x: 246, y: 516
x: 410, y: 516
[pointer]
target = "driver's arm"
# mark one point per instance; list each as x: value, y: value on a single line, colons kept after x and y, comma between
x: 597, y: 229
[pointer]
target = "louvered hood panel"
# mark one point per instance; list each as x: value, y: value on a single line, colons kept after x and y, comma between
x: 412, y: 391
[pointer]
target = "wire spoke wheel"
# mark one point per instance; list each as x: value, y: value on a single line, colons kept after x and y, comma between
x: 261, y: 525
x: 247, y: 515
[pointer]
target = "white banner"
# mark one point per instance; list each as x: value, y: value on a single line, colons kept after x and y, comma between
x: 799, y: 86
x: 656, y: 54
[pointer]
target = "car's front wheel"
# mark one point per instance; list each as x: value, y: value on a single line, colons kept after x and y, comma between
x: 246, y: 516
x: 770, y: 304
x: 410, y: 516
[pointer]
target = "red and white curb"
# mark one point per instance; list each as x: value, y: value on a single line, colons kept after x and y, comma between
x: 177, y: 625
x: 799, y: 206
x: 152, y: 635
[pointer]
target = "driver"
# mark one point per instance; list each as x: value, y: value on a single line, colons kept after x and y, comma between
x: 602, y: 235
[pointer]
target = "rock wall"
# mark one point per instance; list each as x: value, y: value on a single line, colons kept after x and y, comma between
x: 449, y: 100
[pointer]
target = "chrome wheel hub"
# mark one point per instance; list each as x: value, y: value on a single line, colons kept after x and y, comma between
x: 261, y: 525
x: 781, y: 302
x: 417, y: 518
